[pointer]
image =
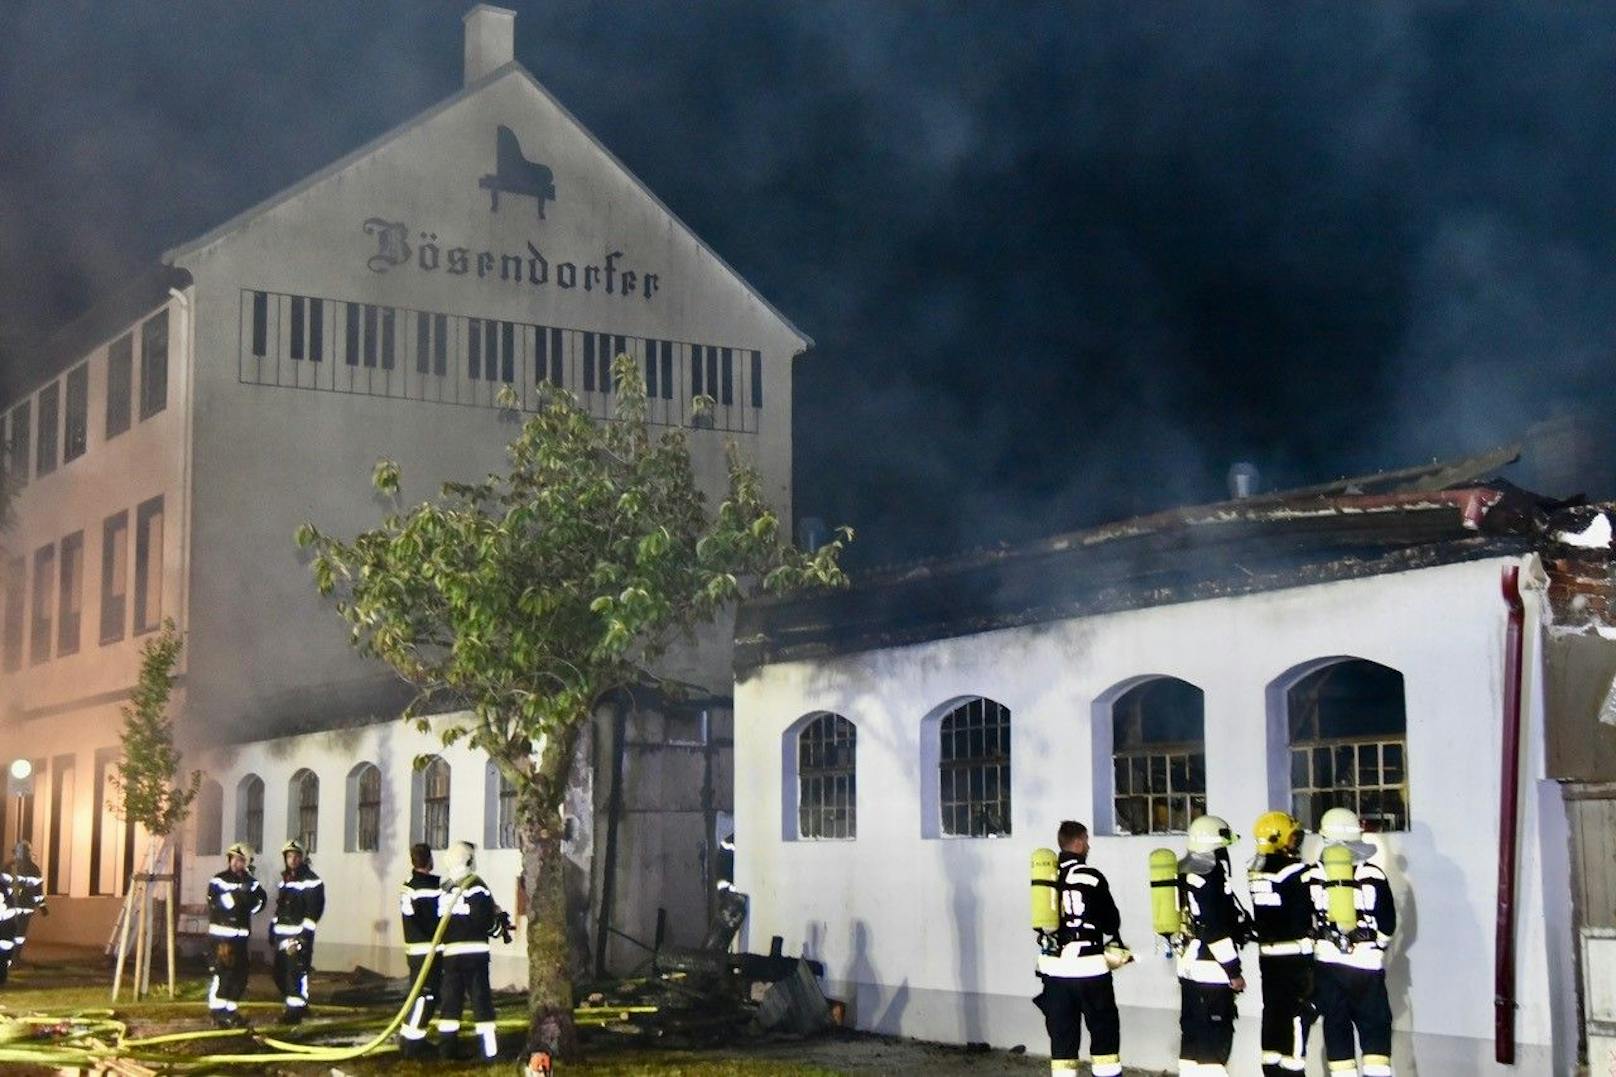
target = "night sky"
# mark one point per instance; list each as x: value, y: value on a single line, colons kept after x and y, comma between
x: 1063, y: 262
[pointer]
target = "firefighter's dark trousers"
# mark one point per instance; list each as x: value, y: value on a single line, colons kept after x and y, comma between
x: 1205, y: 1024
x: 19, y: 932
x: 292, y: 968
x: 1070, y: 1002
x: 229, y: 979
x: 1287, y: 1013
x: 1354, y: 999
x: 5, y: 947
x: 465, y: 979
x: 415, y: 1024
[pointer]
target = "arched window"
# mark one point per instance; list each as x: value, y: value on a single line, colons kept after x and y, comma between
x: 499, y: 809
x: 210, y: 818
x: 973, y: 769
x: 827, y: 791
x: 363, y: 829
x: 303, y: 809
x: 250, y: 812
x: 430, y: 804
x: 1158, y: 757
x: 1348, y: 727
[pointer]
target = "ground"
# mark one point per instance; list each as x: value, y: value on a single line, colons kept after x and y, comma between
x: 61, y: 980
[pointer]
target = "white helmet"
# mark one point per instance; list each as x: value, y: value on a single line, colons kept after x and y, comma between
x: 1209, y: 832
x: 1340, y: 826
x: 459, y: 859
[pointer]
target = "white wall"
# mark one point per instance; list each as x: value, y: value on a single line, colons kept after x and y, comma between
x: 361, y: 924
x: 928, y: 937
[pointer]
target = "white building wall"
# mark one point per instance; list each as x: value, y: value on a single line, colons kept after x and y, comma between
x: 361, y: 924
x: 929, y: 937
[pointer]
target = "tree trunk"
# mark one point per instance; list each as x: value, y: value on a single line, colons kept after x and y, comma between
x: 549, y: 964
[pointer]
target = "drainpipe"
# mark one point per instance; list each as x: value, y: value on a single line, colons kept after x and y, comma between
x: 1508, y: 808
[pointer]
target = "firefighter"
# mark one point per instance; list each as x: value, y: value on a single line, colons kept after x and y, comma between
x: 299, y: 904
x: 418, y: 906
x: 24, y: 885
x: 1355, y: 919
x: 7, y: 913
x: 1280, y: 882
x: 234, y: 898
x: 474, y: 919
x: 1209, y: 975
x: 1073, y: 965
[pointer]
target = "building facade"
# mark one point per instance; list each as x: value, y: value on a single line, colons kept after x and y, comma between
x: 375, y: 310
x: 907, y: 744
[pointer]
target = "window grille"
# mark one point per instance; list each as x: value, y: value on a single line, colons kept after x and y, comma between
x: 1348, y: 745
x: 827, y: 793
x: 1158, y: 757
x: 306, y: 815
x: 974, y: 774
x: 506, y: 834
x: 435, y: 803
x: 368, y: 829
x: 251, y: 829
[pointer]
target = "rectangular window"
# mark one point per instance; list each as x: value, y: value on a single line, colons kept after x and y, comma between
x: 59, y: 872
x: 114, y: 576
x: 120, y: 379
x: 506, y: 833
x: 712, y: 370
x: 558, y: 357
x: 507, y: 352
x: 370, y: 335
x: 16, y: 590
x: 607, y: 378
x: 589, y: 362
x: 1158, y: 789
x: 299, y: 326
x: 77, y: 432
x: 667, y: 370
x: 541, y: 354
x: 260, y: 323
x: 757, y: 379
x: 651, y: 369
x: 71, y: 605
x: 440, y: 344
x: 316, y: 330
x: 727, y: 384
x: 18, y: 452
x: 154, y: 365
x: 148, y: 565
x: 350, y: 335
x: 50, y: 399
x: 423, y: 343
x: 39, y: 642
x: 474, y: 349
x: 695, y: 370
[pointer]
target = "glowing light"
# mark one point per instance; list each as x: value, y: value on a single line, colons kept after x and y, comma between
x: 20, y: 769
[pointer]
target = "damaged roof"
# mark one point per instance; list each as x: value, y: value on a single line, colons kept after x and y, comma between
x: 1391, y: 522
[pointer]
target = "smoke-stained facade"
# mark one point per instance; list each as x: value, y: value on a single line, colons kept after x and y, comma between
x: 376, y: 310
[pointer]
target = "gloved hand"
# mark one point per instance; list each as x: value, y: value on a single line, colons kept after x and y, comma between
x: 227, y: 899
x: 1047, y: 942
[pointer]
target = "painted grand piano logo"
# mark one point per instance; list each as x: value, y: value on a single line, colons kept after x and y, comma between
x: 515, y: 174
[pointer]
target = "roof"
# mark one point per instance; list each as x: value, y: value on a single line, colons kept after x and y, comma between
x: 111, y: 315
x: 513, y: 69
x: 1185, y: 555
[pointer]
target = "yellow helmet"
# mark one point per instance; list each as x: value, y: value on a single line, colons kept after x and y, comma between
x: 1275, y: 831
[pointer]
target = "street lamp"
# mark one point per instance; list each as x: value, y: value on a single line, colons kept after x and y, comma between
x: 20, y: 779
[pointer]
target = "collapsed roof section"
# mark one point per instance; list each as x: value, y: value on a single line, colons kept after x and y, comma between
x: 1390, y: 522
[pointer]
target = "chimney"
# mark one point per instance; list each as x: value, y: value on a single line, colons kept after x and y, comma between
x: 490, y: 40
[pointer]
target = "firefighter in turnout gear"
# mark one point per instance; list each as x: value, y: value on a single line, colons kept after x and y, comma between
x: 1282, y: 908
x: 1354, y: 921
x: 24, y: 886
x: 474, y: 919
x: 1209, y: 944
x: 234, y: 898
x: 418, y: 906
x: 1073, y: 965
x: 7, y: 915
x: 299, y: 904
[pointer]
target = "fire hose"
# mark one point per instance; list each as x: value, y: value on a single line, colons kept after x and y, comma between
x: 84, y: 1038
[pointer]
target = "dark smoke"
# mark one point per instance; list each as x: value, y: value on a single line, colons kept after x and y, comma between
x: 1064, y: 262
